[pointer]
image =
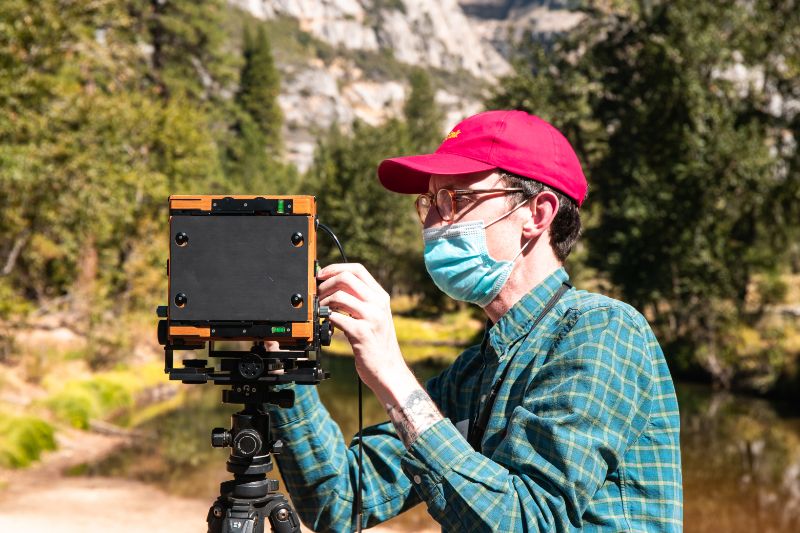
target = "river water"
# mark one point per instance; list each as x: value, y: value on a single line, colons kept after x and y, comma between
x: 741, y: 455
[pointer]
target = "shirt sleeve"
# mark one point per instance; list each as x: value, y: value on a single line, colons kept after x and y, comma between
x: 321, y: 472
x: 586, y: 404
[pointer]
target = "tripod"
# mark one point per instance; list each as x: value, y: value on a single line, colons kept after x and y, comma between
x: 250, y: 500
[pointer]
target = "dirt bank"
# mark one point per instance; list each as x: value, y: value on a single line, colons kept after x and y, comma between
x: 44, y: 498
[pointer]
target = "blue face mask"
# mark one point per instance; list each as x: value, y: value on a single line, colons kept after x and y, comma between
x: 458, y: 261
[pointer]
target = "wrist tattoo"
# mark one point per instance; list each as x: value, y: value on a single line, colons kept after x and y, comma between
x: 416, y: 414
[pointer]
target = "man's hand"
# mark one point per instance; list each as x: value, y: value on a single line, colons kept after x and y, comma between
x: 360, y: 308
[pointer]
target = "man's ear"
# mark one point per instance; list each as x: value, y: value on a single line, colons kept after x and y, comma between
x: 542, y: 209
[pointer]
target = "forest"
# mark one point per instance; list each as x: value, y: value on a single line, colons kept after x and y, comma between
x: 685, y: 115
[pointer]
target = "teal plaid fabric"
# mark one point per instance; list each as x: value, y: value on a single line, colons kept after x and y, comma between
x: 583, y: 435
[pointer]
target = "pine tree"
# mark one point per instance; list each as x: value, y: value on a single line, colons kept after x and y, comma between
x: 259, y: 89
x: 253, y: 150
x: 188, y: 58
x: 423, y: 116
x: 378, y: 227
x: 685, y: 186
x: 88, y: 157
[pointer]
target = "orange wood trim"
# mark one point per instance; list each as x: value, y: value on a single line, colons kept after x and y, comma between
x: 189, y: 331
x: 190, y: 202
x: 303, y: 205
x: 312, y: 276
x: 303, y: 330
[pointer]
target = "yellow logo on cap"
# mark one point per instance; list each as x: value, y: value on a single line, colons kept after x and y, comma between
x: 452, y: 135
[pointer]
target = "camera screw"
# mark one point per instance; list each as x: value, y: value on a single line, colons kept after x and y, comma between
x: 217, y: 512
x: 282, y: 515
x: 181, y: 299
x: 297, y: 300
x: 181, y: 239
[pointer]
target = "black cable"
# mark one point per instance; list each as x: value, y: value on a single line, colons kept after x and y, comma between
x: 330, y: 232
x: 359, y: 505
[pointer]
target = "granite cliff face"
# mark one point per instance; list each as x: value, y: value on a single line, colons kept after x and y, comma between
x: 419, y: 32
x: 501, y: 22
x: 464, y: 42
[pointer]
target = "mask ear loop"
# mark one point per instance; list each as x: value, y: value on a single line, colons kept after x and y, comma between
x: 522, y: 250
x: 504, y: 216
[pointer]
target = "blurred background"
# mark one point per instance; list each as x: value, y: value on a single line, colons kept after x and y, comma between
x: 685, y: 114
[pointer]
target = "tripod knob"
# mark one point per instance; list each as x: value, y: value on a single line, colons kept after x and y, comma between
x: 325, y: 329
x: 220, y: 437
x: 247, y: 443
x: 163, y: 332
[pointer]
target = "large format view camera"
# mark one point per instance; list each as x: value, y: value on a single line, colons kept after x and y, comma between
x: 242, y: 271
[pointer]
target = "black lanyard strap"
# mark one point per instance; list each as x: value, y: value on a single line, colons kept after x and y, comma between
x: 478, y: 426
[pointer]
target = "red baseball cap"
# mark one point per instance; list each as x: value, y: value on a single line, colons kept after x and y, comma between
x: 513, y: 141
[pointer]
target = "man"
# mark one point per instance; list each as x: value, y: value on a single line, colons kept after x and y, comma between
x: 563, y: 418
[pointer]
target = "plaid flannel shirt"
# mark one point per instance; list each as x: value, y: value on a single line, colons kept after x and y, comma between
x: 584, y: 434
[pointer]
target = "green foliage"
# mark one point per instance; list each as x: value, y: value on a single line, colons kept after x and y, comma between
x: 259, y: 88
x: 681, y: 112
x: 254, y: 146
x: 378, y: 229
x: 23, y: 439
x: 294, y: 46
x: 80, y: 401
x: 689, y: 168
x: 85, y: 182
x: 423, y: 116
x: 188, y: 58
x: 389, y: 5
x: 90, y: 147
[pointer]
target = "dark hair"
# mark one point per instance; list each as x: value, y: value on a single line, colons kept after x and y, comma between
x: 566, y: 226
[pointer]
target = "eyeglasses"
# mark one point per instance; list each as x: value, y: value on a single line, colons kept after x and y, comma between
x: 447, y: 201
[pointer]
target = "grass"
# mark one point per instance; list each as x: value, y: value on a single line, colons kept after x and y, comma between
x: 100, y: 396
x: 80, y: 401
x: 23, y: 439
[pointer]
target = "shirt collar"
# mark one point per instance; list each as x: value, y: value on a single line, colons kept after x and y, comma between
x: 519, y: 318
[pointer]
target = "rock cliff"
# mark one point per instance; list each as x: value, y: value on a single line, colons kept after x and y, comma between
x: 463, y: 42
